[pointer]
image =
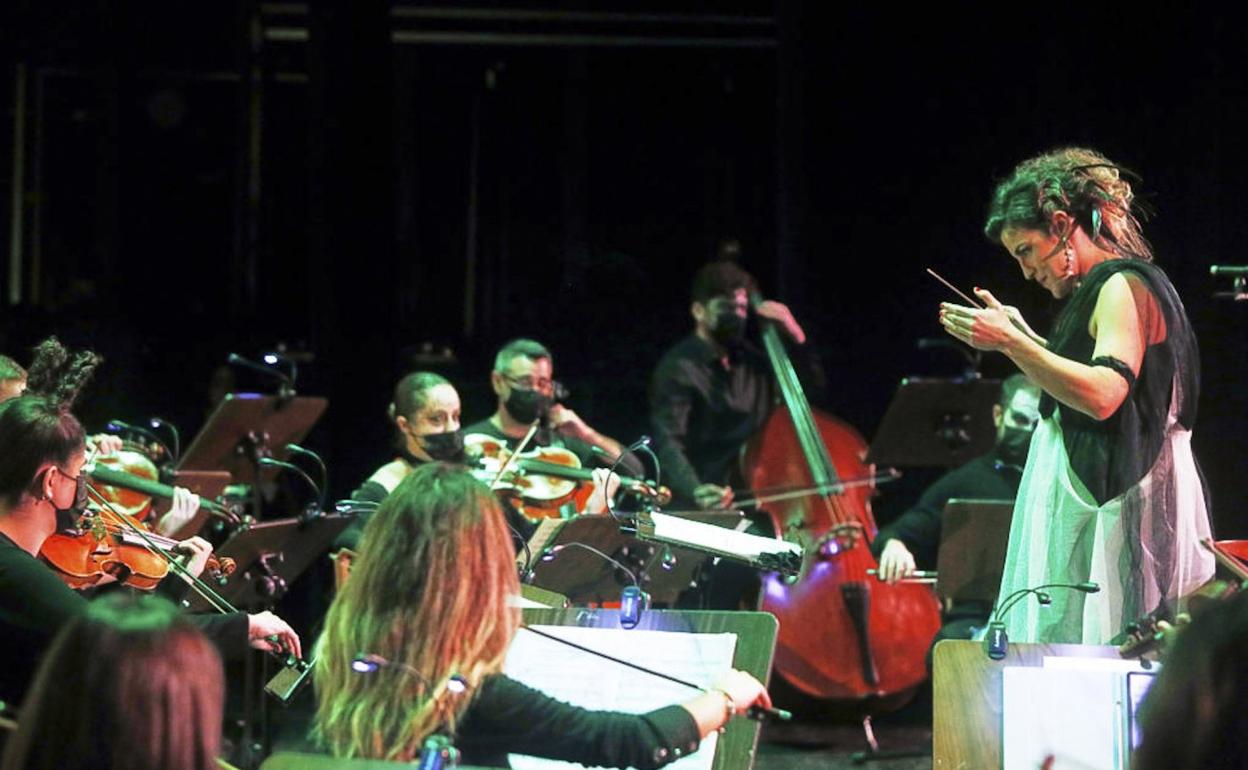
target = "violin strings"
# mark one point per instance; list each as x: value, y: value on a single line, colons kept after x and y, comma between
x: 212, y: 597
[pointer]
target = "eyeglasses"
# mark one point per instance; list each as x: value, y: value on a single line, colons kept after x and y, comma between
x: 542, y: 385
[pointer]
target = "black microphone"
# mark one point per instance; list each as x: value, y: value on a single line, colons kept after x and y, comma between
x: 157, y: 422
x: 633, y: 600
x: 120, y: 426
x: 235, y: 359
x: 997, y: 641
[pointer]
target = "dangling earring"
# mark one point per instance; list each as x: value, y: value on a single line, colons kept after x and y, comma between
x: 1070, y: 261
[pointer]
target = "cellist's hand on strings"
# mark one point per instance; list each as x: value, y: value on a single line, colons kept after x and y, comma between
x: 181, y: 511
x: 268, y: 632
x: 780, y: 313
x: 606, y: 484
x: 712, y: 496
x: 896, y: 561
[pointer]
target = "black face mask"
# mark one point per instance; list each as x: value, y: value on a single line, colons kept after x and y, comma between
x: 1013, y: 444
x: 727, y: 328
x: 67, y: 518
x: 526, y: 405
x: 444, y: 447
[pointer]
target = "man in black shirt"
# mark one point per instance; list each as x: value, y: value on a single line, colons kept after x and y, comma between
x: 911, y: 541
x: 713, y: 390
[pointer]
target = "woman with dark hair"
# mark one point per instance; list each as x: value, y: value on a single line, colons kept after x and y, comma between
x: 432, y: 592
x: 425, y: 415
x: 43, y: 489
x: 128, y: 684
x: 1111, y: 492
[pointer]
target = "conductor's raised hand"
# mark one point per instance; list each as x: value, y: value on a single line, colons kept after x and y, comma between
x: 987, y: 328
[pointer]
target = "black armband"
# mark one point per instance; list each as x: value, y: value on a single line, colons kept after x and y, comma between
x: 1117, y: 366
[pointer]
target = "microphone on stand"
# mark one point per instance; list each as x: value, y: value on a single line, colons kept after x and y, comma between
x: 120, y: 426
x: 633, y: 600
x: 997, y: 641
x: 287, y: 387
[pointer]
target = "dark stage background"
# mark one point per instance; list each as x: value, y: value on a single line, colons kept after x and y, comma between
x: 376, y: 190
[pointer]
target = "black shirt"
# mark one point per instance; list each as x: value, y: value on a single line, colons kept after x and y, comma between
x: 702, y: 413
x: 983, y: 478
x: 35, y: 604
x: 507, y: 717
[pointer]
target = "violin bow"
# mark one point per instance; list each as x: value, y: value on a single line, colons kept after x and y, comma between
x: 215, y: 599
x: 515, y: 454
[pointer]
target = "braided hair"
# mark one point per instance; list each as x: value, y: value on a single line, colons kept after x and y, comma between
x: 1081, y: 182
x: 38, y: 427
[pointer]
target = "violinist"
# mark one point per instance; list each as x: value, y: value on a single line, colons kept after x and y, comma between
x: 424, y: 413
x: 714, y: 389
x: 42, y: 487
x: 522, y: 382
x: 431, y: 593
x: 48, y: 356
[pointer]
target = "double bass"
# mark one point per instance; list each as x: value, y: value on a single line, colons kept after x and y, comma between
x: 844, y: 634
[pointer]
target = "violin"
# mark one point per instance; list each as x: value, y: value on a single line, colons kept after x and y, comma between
x: 109, y: 545
x: 132, y: 460
x: 121, y: 480
x: 544, y: 479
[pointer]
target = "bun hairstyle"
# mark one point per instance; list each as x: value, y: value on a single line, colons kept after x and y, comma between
x: 38, y: 427
x: 59, y: 375
x: 410, y: 396
x: 1083, y: 183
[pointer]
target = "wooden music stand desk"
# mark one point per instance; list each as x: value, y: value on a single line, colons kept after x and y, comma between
x: 967, y: 693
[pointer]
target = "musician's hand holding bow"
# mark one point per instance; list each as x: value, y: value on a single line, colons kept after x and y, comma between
x: 896, y: 561
x: 182, y: 509
x: 266, y: 631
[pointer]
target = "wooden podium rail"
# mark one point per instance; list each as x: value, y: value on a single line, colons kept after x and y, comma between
x: 967, y: 697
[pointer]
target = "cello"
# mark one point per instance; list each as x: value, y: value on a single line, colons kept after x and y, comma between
x: 844, y: 634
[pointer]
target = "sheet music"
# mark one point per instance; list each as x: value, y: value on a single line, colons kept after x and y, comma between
x: 674, y: 528
x: 591, y: 682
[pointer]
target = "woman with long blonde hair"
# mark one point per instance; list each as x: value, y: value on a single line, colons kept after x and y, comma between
x: 430, y: 596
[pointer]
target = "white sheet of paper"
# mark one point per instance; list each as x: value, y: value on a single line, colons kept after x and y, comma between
x: 593, y: 683
x: 1073, y: 714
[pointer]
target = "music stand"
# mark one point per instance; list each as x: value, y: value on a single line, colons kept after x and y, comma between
x: 936, y: 423
x: 974, y: 536
x: 209, y: 485
x: 586, y: 578
x: 755, y: 648
x: 247, y: 426
x: 269, y: 556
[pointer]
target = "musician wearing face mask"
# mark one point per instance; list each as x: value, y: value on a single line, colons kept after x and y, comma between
x: 425, y: 416
x: 526, y: 394
x: 911, y: 541
x: 42, y: 489
x: 714, y: 389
